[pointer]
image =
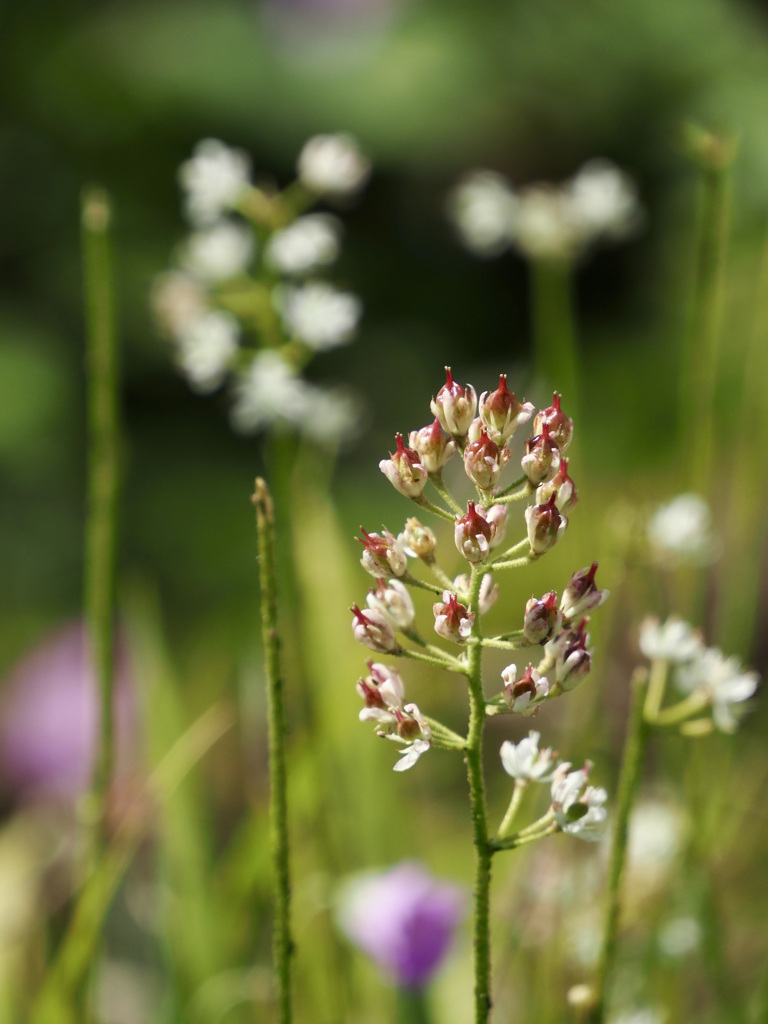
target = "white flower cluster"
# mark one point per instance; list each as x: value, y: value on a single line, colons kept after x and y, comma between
x: 545, y: 222
x: 721, y: 683
x: 226, y: 293
x: 681, y: 531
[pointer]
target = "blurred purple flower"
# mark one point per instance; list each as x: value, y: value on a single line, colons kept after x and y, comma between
x: 404, y: 920
x: 49, y: 717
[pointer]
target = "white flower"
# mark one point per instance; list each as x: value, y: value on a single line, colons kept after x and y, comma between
x: 333, y: 165
x: 545, y: 226
x: 679, y: 936
x: 415, y: 721
x: 177, y: 301
x: 206, y: 348
x: 524, y: 695
x: 683, y: 528
x: 319, y: 315
x: 581, y: 814
x: 489, y: 591
x: 655, y: 836
x: 334, y: 413
x: 482, y: 207
x: 673, y: 640
x: 410, y: 755
x: 214, y: 179
x: 268, y: 392
x: 604, y: 201
x: 645, y: 1016
x: 525, y: 761
x: 310, y: 242
x: 394, y: 601
x: 723, y: 680
x: 218, y: 252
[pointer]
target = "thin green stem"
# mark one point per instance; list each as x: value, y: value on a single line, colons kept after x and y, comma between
x: 438, y: 483
x: 412, y: 1006
x: 657, y: 685
x: 282, y: 944
x: 540, y: 825
x: 511, y: 487
x: 503, y: 645
x: 445, y: 738
x: 414, y: 581
x: 103, y: 473
x: 432, y: 649
x: 521, y: 545
x: 517, y: 795
x: 506, y: 498
x: 441, y: 576
x: 631, y: 768
x: 523, y: 838
x: 444, y: 661
x: 515, y: 563
x: 554, y: 333
x: 678, y: 713
x: 423, y: 502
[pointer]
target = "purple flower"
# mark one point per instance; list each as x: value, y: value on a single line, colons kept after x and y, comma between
x: 49, y: 717
x: 404, y: 920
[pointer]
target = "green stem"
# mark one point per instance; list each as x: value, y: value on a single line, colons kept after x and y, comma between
x: 511, y: 487
x: 442, y: 577
x: 554, y: 334
x: 282, y: 944
x: 521, y: 545
x: 438, y: 483
x: 683, y: 710
x: 444, y: 661
x: 423, y: 502
x: 445, y: 738
x: 412, y: 1006
x: 515, y: 563
x: 103, y: 473
x: 523, y: 838
x: 483, y: 849
x: 517, y: 795
x: 654, y: 698
x: 504, y: 645
x: 631, y: 767
x: 506, y: 499
x: 414, y: 581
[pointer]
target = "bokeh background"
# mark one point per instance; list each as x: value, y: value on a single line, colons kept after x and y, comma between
x: 118, y: 93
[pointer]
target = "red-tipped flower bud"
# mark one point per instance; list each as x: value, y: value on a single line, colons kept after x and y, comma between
x: 545, y: 525
x: 541, y: 460
x: 484, y: 461
x: 542, y: 619
x: 393, y: 601
x: 404, y: 471
x: 382, y: 554
x: 502, y: 413
x: 561, y: 486
x: 581, y: 594
x: 452, y: 620
x: 374, y: 630
x: 434, y: 448
x: 473, y: 533
x: 573, y: 659
x: 454, y: 406
x: 560, y: 426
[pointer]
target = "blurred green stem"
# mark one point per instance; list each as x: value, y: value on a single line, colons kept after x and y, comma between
x: 631, y: 767
x: 282, y: 945
x: 553, y: 329
x: 103, y: 473
x: 412, y: 1006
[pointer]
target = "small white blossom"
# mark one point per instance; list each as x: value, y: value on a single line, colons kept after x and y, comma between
x: 410, y: 755
x: 723, y: 680
x: 214, y: 179
x: 269, y: 392
x: 412, y: 720
x: 310, y: 242
x: 523, y: 695
x: 679, y: 936
x: 177, y: 301
x: 334, y: 414
x: 647, y: 1015
x: 333, y: 165
x: 673, y: 640
x: 526, y: 762
x: 206, y: 348
x: 482, y: 207
x: 578, y: 811
x: 488, y: 595
x: 682, y: 528
x: 545, y: 226
x: 394, y: 601
x: 219, y: 252
x: 319, y: 315
x: 656, y: 832
x: 604, y: 201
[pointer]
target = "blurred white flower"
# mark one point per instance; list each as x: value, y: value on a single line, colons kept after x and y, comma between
x: 683, y: 528
x: 604, y: 201
x: 646, y: 1015
x: 218, y: 252
x: 679, y: 936
x: 482, y: 207
x: 177, y: 301
x: 545, y: 226
x: 214, y: 179
x: 723, y: 680
x: 269, y: 392
x: 310, y: 242
x: 333, y: 165
x: 319, y: 314
x: 205, y: 350
x: 656, y: 832
x: 673, y: 640
x: 335, y: 415
x: 525, y: 761
x: 578, y: 810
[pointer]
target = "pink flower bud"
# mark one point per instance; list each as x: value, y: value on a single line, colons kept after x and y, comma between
x: 560, y: 426
x: 393, y: 601
x: 524, y: 695
x: 502, y: 413
x: 382, y: 688
x: 497, y: 516
x: 581, y: 594
x: 545, y: 525
x: 382, y: 554
x: 433, y: 447
x: 454, y: 406
x: 561, y: 486
x: 572, y: 659
x: 473, y: 533
x: 404, y: 471
x: 542, y: 619
x: 374, y: 630
x: 542, y: 457
x: 484, y: 461
x: 417, y: 540
x: 452, y: 620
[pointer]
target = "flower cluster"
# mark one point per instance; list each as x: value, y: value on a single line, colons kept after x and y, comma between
x: 479, y: 432
x: 245, y: 302
x: 545, y: 222
x: 709, y: 679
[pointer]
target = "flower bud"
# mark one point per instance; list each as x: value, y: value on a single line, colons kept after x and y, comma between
x: 502, y: 413
x: 561, y: 486
x: 581, y: 594
x: 383, y: 687
x: 572, y: 659
x: 545, y: 525
x: 524, y: 695
x: 560, y: 426
x: 394, y: 602
x: 411, y: 724
x: 487, y: 597
x: 434, y: 448
x: 404, y: 471
x: 374, y: 630
x: 484, y: 461
x: 454, y: 406
x: 473, y: 533
x: 542, y: 457
x: 542, y: 619
x: 382, y: 554
x: 452, y: 620
x: 497, y: 516
x: 417, y: 540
